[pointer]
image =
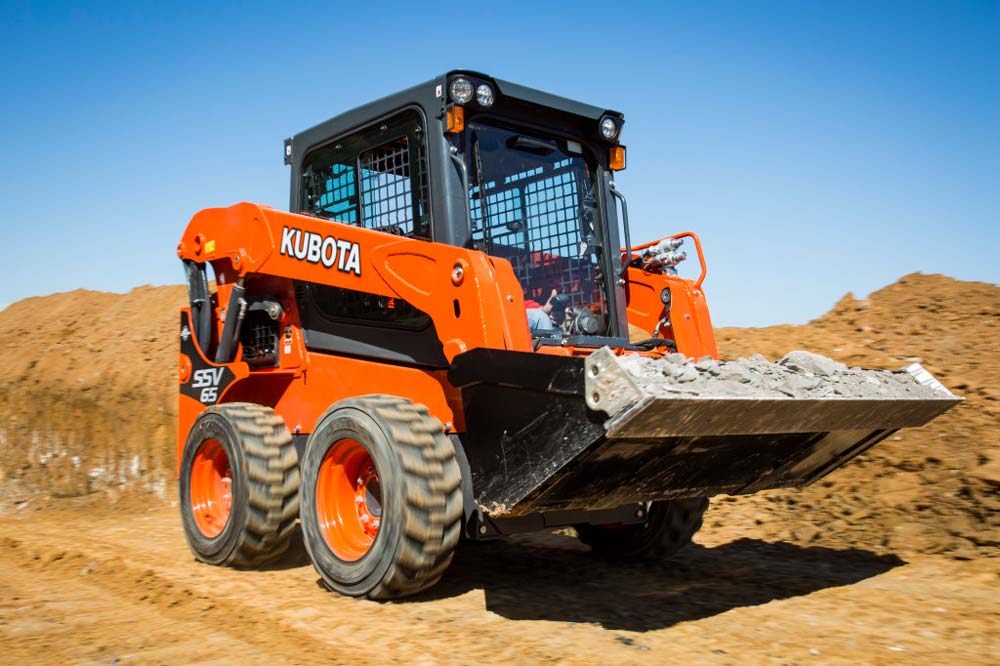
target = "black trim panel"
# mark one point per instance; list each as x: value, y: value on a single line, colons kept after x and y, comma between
x: 207, y: 381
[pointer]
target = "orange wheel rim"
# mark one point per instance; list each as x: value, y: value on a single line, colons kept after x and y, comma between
x: 211, y: 488
x: 348, y: 499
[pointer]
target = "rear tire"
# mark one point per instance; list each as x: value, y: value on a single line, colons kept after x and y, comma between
x: 669, y: 526
x: 381, y: 498
x: 239, y: 485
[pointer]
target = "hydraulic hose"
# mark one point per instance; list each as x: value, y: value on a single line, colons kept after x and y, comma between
x: 235, y: 313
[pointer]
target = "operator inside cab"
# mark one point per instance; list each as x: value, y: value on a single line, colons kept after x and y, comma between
x: 547, y: 317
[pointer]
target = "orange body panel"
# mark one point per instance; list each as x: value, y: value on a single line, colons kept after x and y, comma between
x: 332, y: 378
x: 688, y: 323
x: 432, y: 277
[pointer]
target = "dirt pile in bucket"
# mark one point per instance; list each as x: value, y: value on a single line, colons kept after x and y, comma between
x: 799, y: 374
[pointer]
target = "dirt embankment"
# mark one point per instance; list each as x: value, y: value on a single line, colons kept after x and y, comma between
x: 88, y: 407
x: 88, y: 399
x: 934, y: 489
x: 887, y: 561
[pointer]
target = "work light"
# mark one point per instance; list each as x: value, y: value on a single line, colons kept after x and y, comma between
x: 461, y: 90
x: 609, y: 128
x: 484, y: 95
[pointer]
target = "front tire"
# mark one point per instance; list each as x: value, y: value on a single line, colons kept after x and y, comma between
x: 239, y: 485
x: 381, y: 498
x: 669, y: 526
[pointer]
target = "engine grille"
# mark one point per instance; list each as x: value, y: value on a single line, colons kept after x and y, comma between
x: 259, y: 338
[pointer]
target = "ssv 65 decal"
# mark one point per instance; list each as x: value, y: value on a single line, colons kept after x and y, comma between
x: 343, y: 255
x: 206, y: 382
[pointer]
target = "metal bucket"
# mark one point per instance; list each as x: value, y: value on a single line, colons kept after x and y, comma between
x: 547, y: 433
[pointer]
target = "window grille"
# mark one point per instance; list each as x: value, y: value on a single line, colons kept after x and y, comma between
x: 386, y: 188
x: 533, y: 220
x: 375, y: 178
x: 338, y: 199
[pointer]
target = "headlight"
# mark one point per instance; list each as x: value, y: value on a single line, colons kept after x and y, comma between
x: 484, y: 95
x: 609, y: 128
x: 461, y: 90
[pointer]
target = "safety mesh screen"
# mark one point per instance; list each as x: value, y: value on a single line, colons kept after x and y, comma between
x: 533, y: 220
x: 338, y: 198
x: 386, y: 187
x: 376, y: 178
x: 259, y: 338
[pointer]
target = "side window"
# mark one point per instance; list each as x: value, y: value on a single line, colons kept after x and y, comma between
x: 375, y: 178
x: 336, y: 196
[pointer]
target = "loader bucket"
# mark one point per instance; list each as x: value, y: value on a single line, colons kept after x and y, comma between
x: 547, y: 433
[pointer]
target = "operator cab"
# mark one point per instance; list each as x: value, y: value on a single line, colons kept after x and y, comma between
x: 474, y: 161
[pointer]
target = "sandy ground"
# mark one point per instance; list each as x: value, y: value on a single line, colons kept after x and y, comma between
x: 894, y: 559
x: 81, y: 588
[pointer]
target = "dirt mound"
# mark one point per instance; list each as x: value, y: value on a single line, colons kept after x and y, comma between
x: 88, y: 402
x: 88, y: 407
x: 933, y: 489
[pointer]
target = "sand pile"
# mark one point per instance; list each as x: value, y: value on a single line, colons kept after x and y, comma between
x: 88, y: 406
x: 88, y: 401
x: 934, y: 489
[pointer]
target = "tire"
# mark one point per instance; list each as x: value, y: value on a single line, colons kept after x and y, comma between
x: 249, y: 445
x: 669, y: 526
x: 381, y: 498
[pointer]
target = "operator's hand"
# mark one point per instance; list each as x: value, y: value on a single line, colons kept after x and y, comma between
x: 547, y: 308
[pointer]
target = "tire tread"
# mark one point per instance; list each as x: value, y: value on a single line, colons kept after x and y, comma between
x: 273, y: 483
x: 670, y: 525
x: 432, y: 498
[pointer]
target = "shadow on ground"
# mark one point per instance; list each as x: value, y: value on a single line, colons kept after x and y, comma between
x: 553, y: 577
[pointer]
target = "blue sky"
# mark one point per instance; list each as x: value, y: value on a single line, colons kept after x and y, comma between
x: 817, y: 148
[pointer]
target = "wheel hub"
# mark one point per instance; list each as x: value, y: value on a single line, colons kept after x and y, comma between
x: 211, y: 488
x: 368, y: 500
x: 348, y: 499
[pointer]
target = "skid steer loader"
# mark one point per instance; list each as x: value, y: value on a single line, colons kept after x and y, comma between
x: 437, y: 343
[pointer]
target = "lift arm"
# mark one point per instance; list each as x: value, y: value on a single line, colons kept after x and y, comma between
x: 474, y: 299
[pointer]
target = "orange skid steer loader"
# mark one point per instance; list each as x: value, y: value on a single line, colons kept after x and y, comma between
x: 435, y: 344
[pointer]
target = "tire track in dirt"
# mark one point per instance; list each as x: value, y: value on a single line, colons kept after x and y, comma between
x: 126, y: 586
x: 209, y: 617
x: 274, y: 611
x: 52, y: 615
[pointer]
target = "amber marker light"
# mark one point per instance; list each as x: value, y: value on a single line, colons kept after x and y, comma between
x: 617, y: 158
x: 456, y: 119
